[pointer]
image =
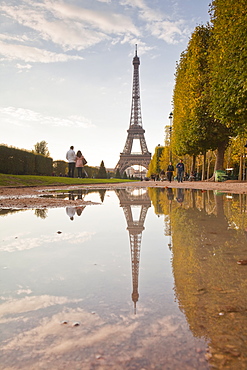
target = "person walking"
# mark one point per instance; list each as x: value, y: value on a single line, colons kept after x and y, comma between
x: 70, y: 156
x: 180, y: 170
x: 79, y: 163
x: 169, y: 171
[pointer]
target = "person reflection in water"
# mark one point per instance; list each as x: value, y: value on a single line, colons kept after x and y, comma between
x: 70, y: 212
x: 170, y: 195
x: 79, y: 210
x: 180, y: 196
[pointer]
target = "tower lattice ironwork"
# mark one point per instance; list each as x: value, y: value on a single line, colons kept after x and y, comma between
x: 135, y: 228
x: 135, y: 131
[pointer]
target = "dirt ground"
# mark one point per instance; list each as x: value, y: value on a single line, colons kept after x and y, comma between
x: 32, y: 197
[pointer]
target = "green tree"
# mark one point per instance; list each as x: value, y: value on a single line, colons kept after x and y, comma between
x: 195, y: 129
x: 228, y: 62
x: 228, y: 70
x: 42, y: 148
x: 167, y: 154
x: 118, y: 174
x: 60, y: 168
x: 102, y: 174
x: 154, y: 165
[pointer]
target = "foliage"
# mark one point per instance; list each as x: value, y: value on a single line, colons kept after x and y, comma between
x: 91, y: 171
x: 118, y: 174
x: 194, y: 129
x: 22, y: 162
x: 164, y: 158
x: 154, y: 165
x: 102, y: 174
x: 210, y: 91
x: 42, y: 148
x: 60, y: 168
x: 228, y: 63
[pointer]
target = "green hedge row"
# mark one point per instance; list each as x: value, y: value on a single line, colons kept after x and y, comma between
x: 21, y: 162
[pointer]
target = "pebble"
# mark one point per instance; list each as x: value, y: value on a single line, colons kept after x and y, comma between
x: 242, y: 262
x: 76, y: 323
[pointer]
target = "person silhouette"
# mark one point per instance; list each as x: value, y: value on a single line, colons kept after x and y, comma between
x: 70, y: 212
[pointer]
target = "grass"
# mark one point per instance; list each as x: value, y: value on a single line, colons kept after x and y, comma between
x: 28, y: 180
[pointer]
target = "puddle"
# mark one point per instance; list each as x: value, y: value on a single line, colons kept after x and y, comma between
x: 146, y: 279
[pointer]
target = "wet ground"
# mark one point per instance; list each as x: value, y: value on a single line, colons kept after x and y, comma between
x: 134, y: 278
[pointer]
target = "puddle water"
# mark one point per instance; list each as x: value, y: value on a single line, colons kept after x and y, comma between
x: 145, y: 279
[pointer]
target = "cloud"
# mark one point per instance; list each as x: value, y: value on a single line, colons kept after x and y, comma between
x: 47, y: 25
x: 106, y: 22
x: 25, y: 243
x: 70, y: 27
x: 26, y: 117
x: 21, y: 66
x: 32, y: 54
x: 157, y: 24
x: 33, y: 303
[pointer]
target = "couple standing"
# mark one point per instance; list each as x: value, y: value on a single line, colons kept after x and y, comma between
x: 180, y: 171
x: 75, y: 160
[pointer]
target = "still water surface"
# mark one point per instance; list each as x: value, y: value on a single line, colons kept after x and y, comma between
x: 145, y: 279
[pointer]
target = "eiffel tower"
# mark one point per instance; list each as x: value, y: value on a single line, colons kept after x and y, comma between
x: 135, y: 228
x: 135, y: 131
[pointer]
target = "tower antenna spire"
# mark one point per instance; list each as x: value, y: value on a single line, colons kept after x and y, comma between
x: 136, y: 50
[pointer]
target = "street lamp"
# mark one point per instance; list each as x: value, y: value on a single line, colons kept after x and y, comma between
x: 170, y: 129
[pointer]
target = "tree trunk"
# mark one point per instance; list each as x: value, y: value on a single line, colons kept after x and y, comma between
x: 208, y: 168
x: 219, y: 164
x: 193, y: 163
x: 240, y: 167
x: 204, y: 166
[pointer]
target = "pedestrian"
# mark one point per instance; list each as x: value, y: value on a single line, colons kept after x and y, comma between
x: 79, y: 163
x: 169, y: 171
x: 180, y: 170
x: 70, y: 156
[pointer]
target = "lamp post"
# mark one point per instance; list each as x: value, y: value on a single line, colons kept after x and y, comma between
x: 170, y: 129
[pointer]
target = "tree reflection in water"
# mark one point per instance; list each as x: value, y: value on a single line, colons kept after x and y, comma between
x: 208, y: 238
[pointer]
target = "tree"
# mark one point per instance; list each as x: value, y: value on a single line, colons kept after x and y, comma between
x: 102, y: 174
x: 41, y: 148
x: 195, y: 129
x: 228, y: 63
x: 228, y: 70
x: 118, y: 174
x: 167, y: 150
x: 154, y: 165
x: 60, y: 168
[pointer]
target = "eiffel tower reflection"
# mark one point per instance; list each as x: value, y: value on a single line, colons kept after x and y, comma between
x: 131, y: 201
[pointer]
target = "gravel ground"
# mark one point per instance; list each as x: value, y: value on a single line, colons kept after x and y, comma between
x: 31, y: 197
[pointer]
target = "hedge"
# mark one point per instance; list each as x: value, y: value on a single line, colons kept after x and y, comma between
x: 21, y: 162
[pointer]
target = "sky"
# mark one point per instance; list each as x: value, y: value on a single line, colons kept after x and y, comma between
x: 66, y: 71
